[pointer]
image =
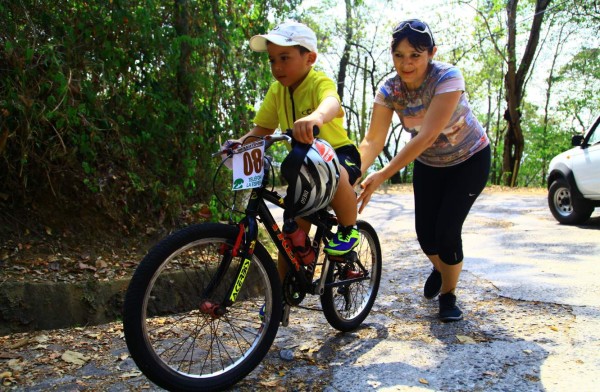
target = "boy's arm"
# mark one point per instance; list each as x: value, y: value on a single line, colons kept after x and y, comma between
x: 256, y: 131
x: 328, y: 109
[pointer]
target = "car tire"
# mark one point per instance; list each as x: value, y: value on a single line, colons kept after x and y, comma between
x: 565, y: 208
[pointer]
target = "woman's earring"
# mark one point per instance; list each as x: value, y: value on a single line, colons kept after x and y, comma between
x: 430, y: 61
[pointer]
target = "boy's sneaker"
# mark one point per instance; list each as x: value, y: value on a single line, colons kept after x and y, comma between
x: 448, y: 309
x: 433, y: 284
x: 344, y: 241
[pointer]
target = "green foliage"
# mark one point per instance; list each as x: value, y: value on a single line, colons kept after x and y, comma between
x: 116, y: 106
x: 580, y: 106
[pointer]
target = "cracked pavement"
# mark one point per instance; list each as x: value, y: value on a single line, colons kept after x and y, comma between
x: 529, y: 291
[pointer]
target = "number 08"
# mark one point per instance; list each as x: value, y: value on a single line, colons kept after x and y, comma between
x: 253, y: 161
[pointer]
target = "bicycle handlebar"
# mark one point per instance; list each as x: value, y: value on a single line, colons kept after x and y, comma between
x: 270, y: 139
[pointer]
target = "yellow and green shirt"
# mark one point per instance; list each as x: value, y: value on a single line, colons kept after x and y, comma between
x: 280, y: 108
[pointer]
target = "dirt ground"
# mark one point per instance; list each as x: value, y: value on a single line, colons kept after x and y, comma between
x: 49, y: 256
x: 95, y: 358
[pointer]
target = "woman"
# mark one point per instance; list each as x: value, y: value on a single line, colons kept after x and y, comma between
x: 450, y: 149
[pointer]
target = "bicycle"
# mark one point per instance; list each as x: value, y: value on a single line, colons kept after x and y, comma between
x: 204, y: 305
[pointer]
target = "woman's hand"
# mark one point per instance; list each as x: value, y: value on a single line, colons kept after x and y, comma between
x: 369, y: 185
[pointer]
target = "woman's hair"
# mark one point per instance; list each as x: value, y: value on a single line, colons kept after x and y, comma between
x: 417, y: 32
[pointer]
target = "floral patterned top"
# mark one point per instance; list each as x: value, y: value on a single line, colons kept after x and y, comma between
x: 460, y: 139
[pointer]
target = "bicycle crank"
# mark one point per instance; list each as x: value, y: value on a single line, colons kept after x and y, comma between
x: 292, y: 294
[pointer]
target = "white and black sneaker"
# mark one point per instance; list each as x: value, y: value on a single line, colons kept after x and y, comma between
x: 448, y: 309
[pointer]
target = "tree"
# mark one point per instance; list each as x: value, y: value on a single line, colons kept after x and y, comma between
x: 109, y: 110
x: 514, y: 82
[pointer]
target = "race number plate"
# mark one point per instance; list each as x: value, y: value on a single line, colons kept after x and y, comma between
x: 248, y: 166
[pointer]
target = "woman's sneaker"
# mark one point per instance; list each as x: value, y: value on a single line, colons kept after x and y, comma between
x: 448, y: 309
x: 433, y: 284
x: 346, y: 239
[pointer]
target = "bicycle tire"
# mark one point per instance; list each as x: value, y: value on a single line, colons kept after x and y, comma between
x: 346, y: 307
x: 176, y: 344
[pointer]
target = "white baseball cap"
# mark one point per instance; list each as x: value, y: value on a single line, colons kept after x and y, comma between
x: 286, y: 34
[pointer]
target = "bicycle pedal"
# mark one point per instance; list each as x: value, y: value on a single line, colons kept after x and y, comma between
x: 349, y: 257
x: 285, y: 317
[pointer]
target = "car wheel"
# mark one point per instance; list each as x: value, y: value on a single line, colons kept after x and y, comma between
x: 564, y: 207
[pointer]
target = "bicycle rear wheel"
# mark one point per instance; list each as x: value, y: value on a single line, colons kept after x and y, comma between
x: 177, y: 329
x: 346, y: 305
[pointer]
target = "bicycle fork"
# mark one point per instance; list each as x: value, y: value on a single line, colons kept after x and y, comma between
x: 243, y: 247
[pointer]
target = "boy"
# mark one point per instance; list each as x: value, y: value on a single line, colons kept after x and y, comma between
x: 300, y: 99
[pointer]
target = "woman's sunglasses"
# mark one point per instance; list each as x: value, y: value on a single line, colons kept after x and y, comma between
x: 414, y: 25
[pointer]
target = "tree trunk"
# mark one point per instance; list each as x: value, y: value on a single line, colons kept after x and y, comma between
x: 362, y: 126
x: 182, y: 27
x: 514, y: 82
x: 346, y: 53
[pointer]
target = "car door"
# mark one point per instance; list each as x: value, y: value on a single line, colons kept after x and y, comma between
x: 586, y: 164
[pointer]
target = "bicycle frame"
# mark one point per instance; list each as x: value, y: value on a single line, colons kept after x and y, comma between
x: 257, y: 211
x: 204, y: 306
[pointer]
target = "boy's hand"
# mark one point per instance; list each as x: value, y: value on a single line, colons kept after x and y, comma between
x: 225, y: 148
x: 230, y: 145
x: 303, y: 128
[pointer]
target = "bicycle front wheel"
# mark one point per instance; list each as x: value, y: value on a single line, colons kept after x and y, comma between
x: 179, y: 328
x: 346, y: 305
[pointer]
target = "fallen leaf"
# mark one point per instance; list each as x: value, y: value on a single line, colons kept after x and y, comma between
x: 465, y: 339
x: 423, y: 381
x: 5, y: 355
x: 15, y: 364
x: 74, y: 357
x: 84, y: 266
x: 19, y: 343
x: 7, y: 379
x: 272, y: 383
x: 41, y: 338
x: 131, y: 374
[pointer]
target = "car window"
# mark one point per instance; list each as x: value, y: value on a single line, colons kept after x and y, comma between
x: 594, y: 137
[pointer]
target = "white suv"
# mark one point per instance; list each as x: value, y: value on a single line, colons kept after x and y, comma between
x: 574, y: 179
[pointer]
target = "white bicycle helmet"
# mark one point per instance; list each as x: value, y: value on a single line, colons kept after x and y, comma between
x: 312, y: 173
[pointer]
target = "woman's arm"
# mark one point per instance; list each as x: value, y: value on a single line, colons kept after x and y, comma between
x: 372, y: 144
x: 438, y: 114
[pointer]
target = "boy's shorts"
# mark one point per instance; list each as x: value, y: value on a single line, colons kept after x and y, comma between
x: 349, y: 157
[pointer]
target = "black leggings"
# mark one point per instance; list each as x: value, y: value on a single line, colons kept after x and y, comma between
x: 443, y: 198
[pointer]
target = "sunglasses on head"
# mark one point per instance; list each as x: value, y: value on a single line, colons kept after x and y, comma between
x: 414, y: 25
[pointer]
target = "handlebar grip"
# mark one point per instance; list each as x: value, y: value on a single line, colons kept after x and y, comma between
x: 316, y: 131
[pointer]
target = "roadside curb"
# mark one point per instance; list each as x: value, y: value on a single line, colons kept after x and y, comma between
x: 30, y: 307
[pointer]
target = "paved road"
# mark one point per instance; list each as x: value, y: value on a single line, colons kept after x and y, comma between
x: 531, y: 295
x: 529, y: 290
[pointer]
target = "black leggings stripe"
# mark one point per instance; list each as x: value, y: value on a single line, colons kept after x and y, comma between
x: 443, y: 198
